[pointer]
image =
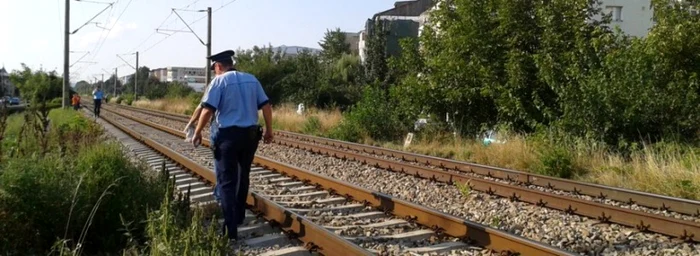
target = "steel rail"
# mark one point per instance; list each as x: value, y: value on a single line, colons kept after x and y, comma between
x: 315, y: 236
x: 686, y: 230
x: 655, y: 201
x: 471, y: 231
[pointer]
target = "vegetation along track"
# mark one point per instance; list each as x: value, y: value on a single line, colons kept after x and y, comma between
x: 578, y: 204
x: 371, y: 220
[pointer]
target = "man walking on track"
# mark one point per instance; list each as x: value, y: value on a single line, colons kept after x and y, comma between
x: 97, y: 96
x: 233, y: 98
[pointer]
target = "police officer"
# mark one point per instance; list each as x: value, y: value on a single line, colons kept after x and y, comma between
x: 233, y: 98
x: 97, y: 97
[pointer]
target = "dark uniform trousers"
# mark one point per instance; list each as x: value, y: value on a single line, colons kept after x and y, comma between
x: 234, y: 150
x: 97, y: 105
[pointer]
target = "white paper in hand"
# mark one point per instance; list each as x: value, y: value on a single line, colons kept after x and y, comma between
x: 189, y: 134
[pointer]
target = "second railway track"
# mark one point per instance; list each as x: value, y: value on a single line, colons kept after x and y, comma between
x: 358, y: 218
x: 682, y: 229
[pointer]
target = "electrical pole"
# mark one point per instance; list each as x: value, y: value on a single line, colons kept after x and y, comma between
x: 208, y: 66
x: 136, y: 74
x: 115, y: 82
x: 66, y: 52
x: 136, y: 78
x: 207, y: 44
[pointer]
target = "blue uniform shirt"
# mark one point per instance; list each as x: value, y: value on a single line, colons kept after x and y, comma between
x: 236, y: 97
x: 97, y: 95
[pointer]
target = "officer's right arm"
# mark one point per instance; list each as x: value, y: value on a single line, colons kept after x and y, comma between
x: 210, y: 103
x: 197, y: 111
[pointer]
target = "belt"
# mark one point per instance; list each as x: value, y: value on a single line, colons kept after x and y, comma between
x: 238, y: 128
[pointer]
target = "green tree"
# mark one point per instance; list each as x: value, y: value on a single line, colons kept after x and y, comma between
x: 270, y: 67
x: 37, y: 86
x: 83, y: 87
x: 333, y: 45
x: 144, y: 74
x: 376, y: 65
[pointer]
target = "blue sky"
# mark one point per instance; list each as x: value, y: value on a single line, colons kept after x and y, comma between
x: 32, y: 30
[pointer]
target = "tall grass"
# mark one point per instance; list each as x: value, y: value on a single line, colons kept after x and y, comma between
x: 313, y: 120
x: 173, y: 105
x: 84, y: 197
x: 78, y: 191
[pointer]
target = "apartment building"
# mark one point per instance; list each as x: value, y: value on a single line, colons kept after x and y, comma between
x: 160, y: 73
x: 194, y: 77
x: 635, y: 18
x: 353, y: 39
x: 404, y: 20
x: 125, y: 79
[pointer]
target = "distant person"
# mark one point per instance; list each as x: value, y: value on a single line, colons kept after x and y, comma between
x: 233, y: 99
x: 97, y: 96
x: 76, y: 101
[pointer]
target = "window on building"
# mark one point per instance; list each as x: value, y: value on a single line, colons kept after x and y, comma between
x: 615, y: 12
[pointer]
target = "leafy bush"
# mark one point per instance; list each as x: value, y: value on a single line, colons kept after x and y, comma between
x: 558, y: 162
x: 56, y: 101
x: 127, y: 99
x: 312, y: 125
x: 373, y: 116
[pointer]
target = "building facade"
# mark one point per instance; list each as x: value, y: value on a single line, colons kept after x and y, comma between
x: 193, y: 77
x: 634, y: 18
x: 353, y: 40
x: 404, y: 20
x: 6, y: 87
x: 160, y: 73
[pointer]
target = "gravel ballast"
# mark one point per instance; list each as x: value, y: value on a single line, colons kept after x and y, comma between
x: 570, y: 232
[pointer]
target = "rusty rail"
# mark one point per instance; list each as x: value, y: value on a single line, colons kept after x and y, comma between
x: 655, y: 201
x: 686, y: 230
x: 324, y: 241
x: 471, y: 231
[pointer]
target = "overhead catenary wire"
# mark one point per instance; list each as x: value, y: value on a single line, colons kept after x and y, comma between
x: 113, y: 25
x: 111, y: 6
x: 99, y: 45
x: 102, y: 37
x: 168, y: 36
x: 192, y: 23
x: 146, y: 40
x: 90, y: 20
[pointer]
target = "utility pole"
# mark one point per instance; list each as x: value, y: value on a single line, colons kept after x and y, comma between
x: 115, y: 82
x: 136, y: 75
x: 208, y: 65
x: 66, y: 49
x: 136, y: 78
x: 207, y: 44
x: 66, y: 52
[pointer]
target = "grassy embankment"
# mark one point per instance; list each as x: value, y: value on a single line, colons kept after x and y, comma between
x: 68, y: 190
x: 663, y: 168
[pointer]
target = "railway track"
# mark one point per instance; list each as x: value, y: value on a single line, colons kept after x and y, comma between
x: 328, y: 216
x: 675, y: 217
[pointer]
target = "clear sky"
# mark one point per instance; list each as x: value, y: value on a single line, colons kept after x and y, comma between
x: 31, y: 31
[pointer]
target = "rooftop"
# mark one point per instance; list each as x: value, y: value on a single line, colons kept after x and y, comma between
x: 408, y: 8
